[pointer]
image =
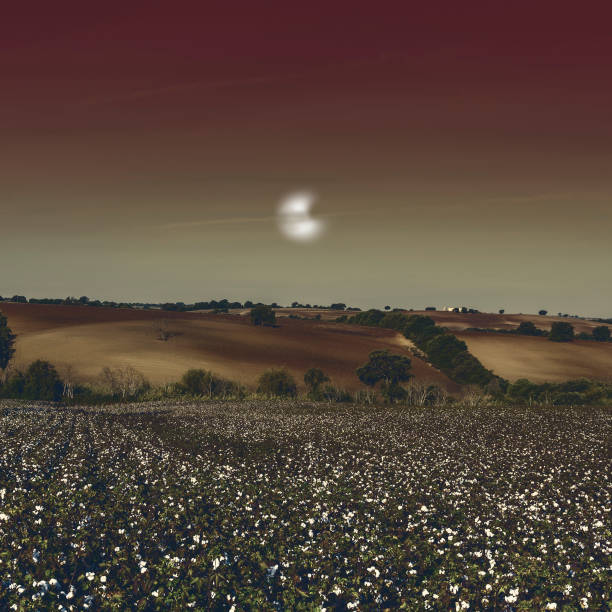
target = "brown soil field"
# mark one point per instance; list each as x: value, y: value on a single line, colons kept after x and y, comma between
x: 539, y: 359
x: 456, y: 321
x: 89, y: 338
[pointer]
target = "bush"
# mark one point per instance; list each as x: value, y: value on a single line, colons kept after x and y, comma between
x: 125, y: 383
x: 7, y: 343
x: 42, y: 382
x: 202, y: 382
x: 277, y: 382
x: 13, y: 387
x: 528, y: 328
x: 561, y: 332
x: 313, y: 379
x: 331, y: 393
x: 262, y: 315
x: 602, y: 333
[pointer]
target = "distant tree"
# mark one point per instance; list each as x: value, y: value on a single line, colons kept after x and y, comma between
x: 338, y: 306
x: 561, y: 332
x: 389, y: 370
x: 20, y: 299
x: 125, y: 382
x: 430, y: 308
x: 602, y: 333
x: 42, y: 382
x: 7, y: 343
x: 543, y: 312
x: 277, y: 382
x: 248, y: 304
x: 387, y: 307
x: 501, y: 311
x: 199, y: 382
x: 262, y: 315
x: 528, y: 328
x: 84, y: 300
x: 313, y: 379
x: 443, y: 349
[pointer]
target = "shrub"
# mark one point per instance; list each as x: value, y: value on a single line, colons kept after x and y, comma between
x: 198, y: 382
x: 7, y: 343
x: 13, y: 387
x: 543, y: 313
x: 314, y: 378
x: 125, y: 382
x: 561, y: 332
x: 528, y: 328
x: 277, y: 382
x: 331, y: 393
x: 202, y: 382
x: 602, y: 333
x: 262, y: 315
x: 42, y: 382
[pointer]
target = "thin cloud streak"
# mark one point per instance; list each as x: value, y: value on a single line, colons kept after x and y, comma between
x: 244, y: 220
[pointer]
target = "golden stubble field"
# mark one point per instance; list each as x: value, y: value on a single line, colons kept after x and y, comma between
x: 87, y: 339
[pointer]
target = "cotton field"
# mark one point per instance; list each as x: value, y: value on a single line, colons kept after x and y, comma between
x: 285, y: 506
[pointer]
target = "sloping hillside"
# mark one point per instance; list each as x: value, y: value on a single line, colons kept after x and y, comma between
x: 89, y: 338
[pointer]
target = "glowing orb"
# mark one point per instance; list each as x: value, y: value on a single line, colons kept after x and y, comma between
x: 295, y: 221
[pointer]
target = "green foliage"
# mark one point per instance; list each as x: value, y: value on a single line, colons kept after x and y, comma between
x: 393, y: 392
x: 331, y: 393
x: 420, y: 329
x: 442, y: 350
x: 13, y: 388
x: 7, y: 343
x: 467, y: 369
x: 314, y: 378
x: 543, y: 313
x: 601, y: 333
x: 561, y: 331
x: 277, y: 382
x: 528, y: 328
x: 202, y: 382
x: 262, y: 315
x: 370, y: 317
x: 580, y: 392
x: 385, y: 367
x: 42, y: 382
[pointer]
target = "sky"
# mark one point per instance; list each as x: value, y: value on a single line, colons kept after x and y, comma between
x: 458, y: 153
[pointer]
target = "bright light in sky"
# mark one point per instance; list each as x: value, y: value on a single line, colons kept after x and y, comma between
x: 295, y: 221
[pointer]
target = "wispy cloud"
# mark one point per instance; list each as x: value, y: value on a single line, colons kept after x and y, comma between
x: 245, y: 220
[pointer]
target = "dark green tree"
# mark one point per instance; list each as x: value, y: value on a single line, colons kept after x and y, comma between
x: 602, y: 333
x: 442, y: 350
x: 199, y: 382
x: 561, y: 332
x: 314, y: 378
x: 262, y: 315
x: 389, y: 370
x: 7, y: 343
x: 277, y: 382
x: 42, y: 382
x: 528, y: 328
x: 543, y: 312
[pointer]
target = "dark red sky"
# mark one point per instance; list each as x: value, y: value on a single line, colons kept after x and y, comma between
x: 464, y: 148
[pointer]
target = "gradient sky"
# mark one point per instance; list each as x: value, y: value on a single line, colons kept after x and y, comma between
x: 461, y: 151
